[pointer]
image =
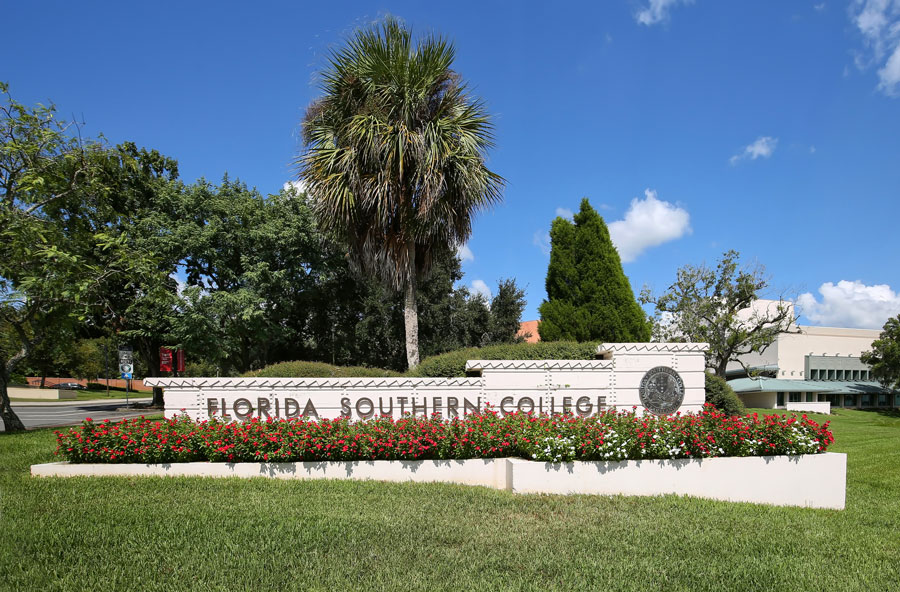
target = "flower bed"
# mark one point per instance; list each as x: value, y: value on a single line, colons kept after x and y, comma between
x: 609, y: 436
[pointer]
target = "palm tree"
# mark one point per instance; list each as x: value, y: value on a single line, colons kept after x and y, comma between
x: 394, y: 157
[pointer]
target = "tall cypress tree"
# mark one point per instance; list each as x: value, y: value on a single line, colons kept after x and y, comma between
x: 588, y: 296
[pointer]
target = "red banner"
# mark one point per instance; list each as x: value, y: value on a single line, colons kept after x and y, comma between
x: 179, y: 360
x: 165, y: 359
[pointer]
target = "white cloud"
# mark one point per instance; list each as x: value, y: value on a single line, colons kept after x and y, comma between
x: 657, y: 11
x: 564, y: 213
x: 851, y: 304
x: 763, y: 147
x: 879, y: 23
x: 479, y: 287
x: 299, y: 186
x: 465, y: 253
x: 541, y: 240
x: 649, y: 222
x: 819, y: 7
x: 180, y: 281
x: 889, y: 75
x: 812, y: 149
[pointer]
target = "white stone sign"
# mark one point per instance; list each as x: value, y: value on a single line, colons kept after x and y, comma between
x: 652, y: 377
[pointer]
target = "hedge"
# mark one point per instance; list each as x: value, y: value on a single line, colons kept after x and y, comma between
x: 454, y: 363
x: 610, y: 435
x: 720, y: 394
x: 301, y: 369
x: 443, y: 365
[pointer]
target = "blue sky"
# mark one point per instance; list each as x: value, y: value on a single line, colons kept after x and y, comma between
x: 772, y: 128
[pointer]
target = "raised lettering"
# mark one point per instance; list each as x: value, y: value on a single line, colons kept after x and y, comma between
x: 503, y: 402
x: 263, y: 405
x: 521, y: 403
x: 583, y: 406
x: 238, y: 403
x: 365, y: 401
x: 310, y: 410
x: 211, y: 406
x: 345, y: 406
x: 452, y: 407
x: 291, y: 407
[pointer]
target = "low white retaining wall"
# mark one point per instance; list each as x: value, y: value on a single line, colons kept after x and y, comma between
x: 815, y: 481
x: 812, y: 480
x: 52, y: 394
x: 811, y: 407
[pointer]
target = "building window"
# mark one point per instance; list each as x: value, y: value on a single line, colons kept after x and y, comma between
x: 866, y: 400
x: 849, y: 400
x: 813, y: 374
x: 794, y: 397
x: 810, y: 397
x: 883, y: 400
x: 896, y: 399
x: 780, y: 400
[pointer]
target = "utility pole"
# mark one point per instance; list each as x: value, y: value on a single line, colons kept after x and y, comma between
x: 106, y: 364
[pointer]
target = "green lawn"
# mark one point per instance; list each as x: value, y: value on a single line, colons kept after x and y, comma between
x: 207, y: 534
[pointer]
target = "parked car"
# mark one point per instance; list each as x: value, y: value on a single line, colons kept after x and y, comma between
x: 71, y: 386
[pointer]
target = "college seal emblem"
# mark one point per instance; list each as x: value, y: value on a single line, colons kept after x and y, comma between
x: 661, y: 390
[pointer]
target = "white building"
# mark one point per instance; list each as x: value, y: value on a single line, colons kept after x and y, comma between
x: 812, y: 369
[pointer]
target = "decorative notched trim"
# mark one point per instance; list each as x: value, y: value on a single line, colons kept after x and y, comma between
x: 374, y: 383
x: 651, y: 348
x: 475, y: 365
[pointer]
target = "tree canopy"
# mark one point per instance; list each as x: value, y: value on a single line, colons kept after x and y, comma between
x: 102, y: 246
x: 717, y: 306
x: 884, y: 357
x: 58, y: 248
x: 589, y: 297
x: 395, y: 157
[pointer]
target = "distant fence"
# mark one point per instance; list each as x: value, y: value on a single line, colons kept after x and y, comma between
x: 136, y: 385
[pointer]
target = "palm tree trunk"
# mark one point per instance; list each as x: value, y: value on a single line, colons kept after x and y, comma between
x: 410, y: 311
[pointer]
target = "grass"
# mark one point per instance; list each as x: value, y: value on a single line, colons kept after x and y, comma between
x: 230, y: 534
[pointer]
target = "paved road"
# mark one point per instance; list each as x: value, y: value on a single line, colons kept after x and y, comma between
x: 42, y: 415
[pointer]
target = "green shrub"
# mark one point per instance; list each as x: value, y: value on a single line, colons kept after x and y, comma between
x: 454, y: 363
x: 301, y: 369
x: 720, y: 394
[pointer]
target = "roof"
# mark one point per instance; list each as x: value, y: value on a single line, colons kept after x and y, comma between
x: 834, y: 387
x: 854, y: 387
x: 529, y: 330
x: 767, y: 385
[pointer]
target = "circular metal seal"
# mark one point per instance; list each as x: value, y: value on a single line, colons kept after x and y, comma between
x: 662, y: 390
